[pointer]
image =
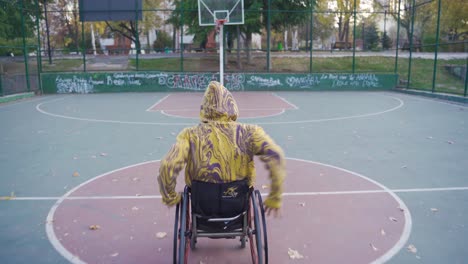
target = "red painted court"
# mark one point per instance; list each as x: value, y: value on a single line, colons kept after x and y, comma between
x: 327, y: 204
x: 186, y: 104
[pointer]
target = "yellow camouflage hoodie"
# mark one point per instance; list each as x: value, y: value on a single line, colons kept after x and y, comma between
x: 219, y: 149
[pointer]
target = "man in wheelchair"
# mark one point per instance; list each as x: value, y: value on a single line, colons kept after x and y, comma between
x: 217, y: 156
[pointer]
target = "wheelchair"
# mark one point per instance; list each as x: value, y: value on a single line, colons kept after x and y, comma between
x: 220, y: 210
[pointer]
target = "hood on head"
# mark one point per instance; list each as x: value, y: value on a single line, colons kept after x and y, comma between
x: 218, y: 104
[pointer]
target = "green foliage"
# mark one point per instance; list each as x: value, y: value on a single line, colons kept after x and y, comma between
x: 10, y: 18
x: 386, y: 41
x: 371, y: 36
x: 162, y: 41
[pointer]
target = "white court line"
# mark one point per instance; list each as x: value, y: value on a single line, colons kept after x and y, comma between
x: 240, y: 109
x: 286, y: 101
x: 22, y: 101
x: 434, y: 100
x: 239, y: 118
x: 155, y: 104
x: 38, y: 108
x: 388, y: 255
x: 133, y: 197
x: 401, y: 104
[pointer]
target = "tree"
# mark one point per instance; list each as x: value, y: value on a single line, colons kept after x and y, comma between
x: 386, y: 41
x: 288, y: 14
x: 345, y: 12
x: 129, y: 29
x: 323, y: 22
x: 370, y: 36
x: 454, y: 19
x: 423, y: 10
x: 10, y: 18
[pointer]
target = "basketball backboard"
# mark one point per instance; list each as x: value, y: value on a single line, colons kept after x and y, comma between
x: 232, y: 11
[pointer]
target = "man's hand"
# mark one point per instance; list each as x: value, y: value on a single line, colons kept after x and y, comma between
x: 276, y: 212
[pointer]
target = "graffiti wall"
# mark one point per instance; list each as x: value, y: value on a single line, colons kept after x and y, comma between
x: 165, y: 81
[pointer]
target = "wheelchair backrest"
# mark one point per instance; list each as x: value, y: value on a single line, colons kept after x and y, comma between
x: 219, y: 200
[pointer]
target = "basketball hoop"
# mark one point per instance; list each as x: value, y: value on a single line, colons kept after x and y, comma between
x: 219, y: 23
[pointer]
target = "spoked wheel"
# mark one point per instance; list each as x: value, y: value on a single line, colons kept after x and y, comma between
x: 255, y: 233
x: 181, y: 231
x: 265, y: 236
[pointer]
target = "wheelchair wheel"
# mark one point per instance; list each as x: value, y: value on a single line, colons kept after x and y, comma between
x: 181, y: 231
x: 265, y: 236
x: 176, y: 234
x: 255, y: 233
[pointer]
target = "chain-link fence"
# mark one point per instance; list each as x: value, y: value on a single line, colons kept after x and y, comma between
x: 425, y: 42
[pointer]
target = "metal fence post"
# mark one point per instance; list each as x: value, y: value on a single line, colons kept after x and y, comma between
x: 137, y: 37
x: 434, y: 73
x: 413, y: 7
x: 397, y: 37
x: 311, y: 36
x: 25, y: 49
x: 354, y: 38
x: 269, y: 36
x: 83, y: 42
x: 466, y: 76
x: 181, y: 36
x: 1, y: 86
x: 38, y: 51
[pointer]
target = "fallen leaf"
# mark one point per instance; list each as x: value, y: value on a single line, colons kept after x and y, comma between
x: 434, y: 210
x: 94, y: 227
x: 411, y: 248
x: 76, y: 174
x: 115, y: 254
x: 265, y: 187
x: 294, y: 254
x: 161, y: 235
x: 393, y: 219
x: 134, y: 208
x: 404, y: 167
x: 302, y: 204
x: 382, y: 232
x: 450, y: 142
x: 373, y: 247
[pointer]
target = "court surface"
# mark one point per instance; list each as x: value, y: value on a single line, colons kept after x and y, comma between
x: 372, y: 177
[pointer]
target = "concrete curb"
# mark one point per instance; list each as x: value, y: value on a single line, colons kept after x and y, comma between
x: 15, y: 97
x: 442, y: 96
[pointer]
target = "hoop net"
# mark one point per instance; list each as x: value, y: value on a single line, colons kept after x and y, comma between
x: 219, y: 23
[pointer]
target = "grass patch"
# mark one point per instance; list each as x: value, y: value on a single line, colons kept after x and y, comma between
x: 66, y: 65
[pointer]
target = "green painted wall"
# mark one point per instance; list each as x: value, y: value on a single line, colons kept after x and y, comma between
x: 165, y: 81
